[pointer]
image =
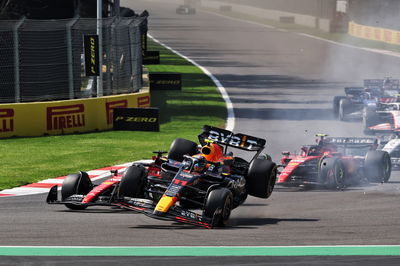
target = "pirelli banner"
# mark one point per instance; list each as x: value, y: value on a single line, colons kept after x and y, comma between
x: 374, y: 33
x: 65, y: 117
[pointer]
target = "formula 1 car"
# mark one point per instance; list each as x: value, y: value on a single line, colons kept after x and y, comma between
x: 189, y: 178
x: 336, y: 162
x: 391, y: 144
x: 374, y: 91
x: 381, y: 118
x: 186, y: 10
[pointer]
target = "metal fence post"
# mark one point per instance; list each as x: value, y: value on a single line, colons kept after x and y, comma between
x: 69, y: 26
x: 16, y: 61
x: 132, y: 35
x: 100, y: 34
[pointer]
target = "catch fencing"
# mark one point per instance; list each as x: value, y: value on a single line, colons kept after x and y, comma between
x: 44, y: 59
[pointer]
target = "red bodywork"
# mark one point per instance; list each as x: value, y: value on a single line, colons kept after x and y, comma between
x: 314, y: 155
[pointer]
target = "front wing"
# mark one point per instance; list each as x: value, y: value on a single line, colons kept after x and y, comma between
x: 175, y: 213
x: 52, y: 198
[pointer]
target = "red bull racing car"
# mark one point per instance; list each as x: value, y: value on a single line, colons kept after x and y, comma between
x: 198, y: 185
x: 335, y: 163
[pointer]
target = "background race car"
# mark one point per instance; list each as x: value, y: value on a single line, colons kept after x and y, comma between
x: 209, y: 179
x: 381, y: 117
x: 391, y: 144
x: 374, y: 91
x: 335, y: 163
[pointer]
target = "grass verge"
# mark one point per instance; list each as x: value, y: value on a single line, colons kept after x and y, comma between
x: 182, y: 114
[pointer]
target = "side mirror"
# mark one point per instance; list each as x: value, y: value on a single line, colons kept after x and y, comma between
x: 286, y: 153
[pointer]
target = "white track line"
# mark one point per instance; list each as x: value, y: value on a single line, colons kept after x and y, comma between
x: 371, y: 50
x: 230, y: 123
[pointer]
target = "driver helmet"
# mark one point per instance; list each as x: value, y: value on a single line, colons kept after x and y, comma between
x: 212, y: 152
x: 200, y: 163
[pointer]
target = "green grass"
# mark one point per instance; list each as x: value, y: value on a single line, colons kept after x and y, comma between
x: 182, y: 114
x: 337, y: 37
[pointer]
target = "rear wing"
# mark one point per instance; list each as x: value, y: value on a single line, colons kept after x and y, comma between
x: 226, y: 137
x: 350, y: 141
x: 353, y: 90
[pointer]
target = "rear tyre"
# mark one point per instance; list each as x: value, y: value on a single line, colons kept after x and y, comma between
x: 336, y: 102
x: 344, y: 109
x: 378, y: 166
x: 76, y: 184
x: 180, y: 147
x: 331, y: 173
x: 132, y: 182
x: 219, y: 204
x: 261, y: 177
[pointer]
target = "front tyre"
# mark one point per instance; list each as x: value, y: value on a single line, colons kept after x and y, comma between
x: 261, y: 177
x: 370, y: 118
x: 336, y: 101
x: 219, y: 204
x: 344, y: 109
x: 76, y: 184
x: 132, y: 182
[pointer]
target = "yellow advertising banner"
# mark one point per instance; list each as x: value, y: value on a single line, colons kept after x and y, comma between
x: 374, y: 33
x: 65, y: 117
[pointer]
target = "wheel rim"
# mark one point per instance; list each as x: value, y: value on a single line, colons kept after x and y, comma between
x: 334, y: 176
x: 339, y: 175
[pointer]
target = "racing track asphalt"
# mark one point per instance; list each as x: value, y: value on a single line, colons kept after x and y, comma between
x: 281, y: 85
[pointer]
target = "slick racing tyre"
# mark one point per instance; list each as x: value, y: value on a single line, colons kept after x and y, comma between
x: 132, y: 182
x: 344, y: 109
x: 331, y: 173
x: 180, y: 147
x: 76, y: 184
x: 261, y: 177
x: 336, y: 102
x: 377, y: 166
x: 370, y: 118
x: 218, y: 206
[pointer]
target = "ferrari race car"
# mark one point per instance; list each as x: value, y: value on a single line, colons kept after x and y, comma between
x: 209, y: 179
x: 336, y: 162
x: 375, y: 91
x: 186, y: 10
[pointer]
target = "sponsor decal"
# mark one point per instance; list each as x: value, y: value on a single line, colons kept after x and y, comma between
x: 143, y: 101
x: 64, y: 117
x: 6, y: 120
x: 136, y: 119
x: 165, y: 81
x: 114, y: 104
x: 342, y: 140
x: 91, y: 46
x: 238, y: 140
